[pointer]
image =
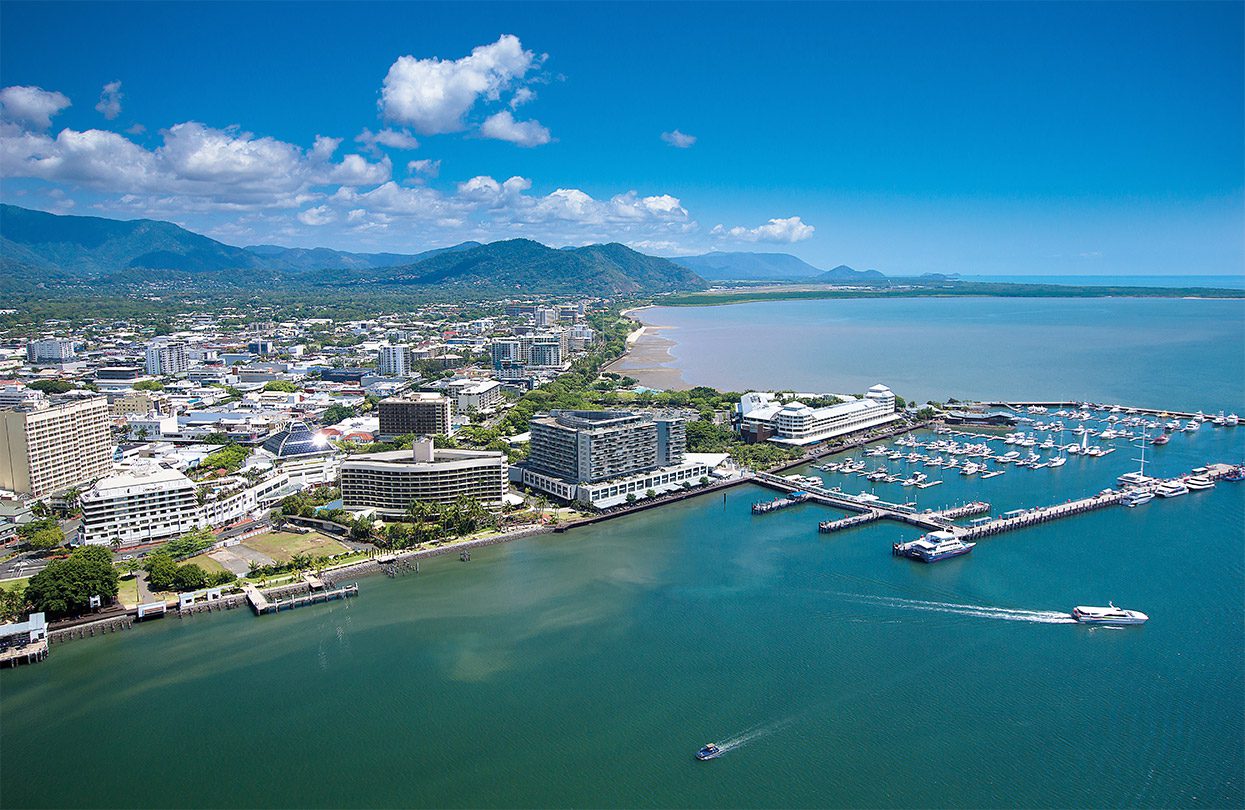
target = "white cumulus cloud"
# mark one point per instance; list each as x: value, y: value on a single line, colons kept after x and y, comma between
x: 110, y: 100
x: 319, y: 215
x: 196, y: 167
x: 393, y: 138
x: 679, y: 140
x: 429, y: 168
x: 522, y: 96
x: 503, y: 127
x: 31, y: 105
x: 791, y: 229
x: 434, y: 96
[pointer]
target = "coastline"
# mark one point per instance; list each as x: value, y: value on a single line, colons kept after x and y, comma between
x: 648, y: 357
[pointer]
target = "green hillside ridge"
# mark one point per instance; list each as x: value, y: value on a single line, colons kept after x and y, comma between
x: 42, y: 253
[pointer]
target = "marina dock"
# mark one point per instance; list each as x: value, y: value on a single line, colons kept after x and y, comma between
x: 930, y: 521
x: 1127, y: 409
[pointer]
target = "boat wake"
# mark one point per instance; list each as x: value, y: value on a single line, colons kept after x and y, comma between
x: 979, y: 611
x: 754, y: 733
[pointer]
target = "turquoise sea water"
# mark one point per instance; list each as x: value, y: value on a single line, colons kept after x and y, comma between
x: 585, y: 669
x: 1143, y: 352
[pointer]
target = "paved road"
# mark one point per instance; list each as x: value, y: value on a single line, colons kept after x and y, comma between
x: 25, y: 564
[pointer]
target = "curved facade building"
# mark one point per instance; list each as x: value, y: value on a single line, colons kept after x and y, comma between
x: 388, y: 482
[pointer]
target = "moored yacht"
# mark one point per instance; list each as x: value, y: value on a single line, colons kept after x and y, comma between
x: 1137, y: 497
x: 1195, y: 482
x: 1170, y: 489
x: 1133, y: 479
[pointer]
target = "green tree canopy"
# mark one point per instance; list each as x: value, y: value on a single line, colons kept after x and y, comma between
x: 51, y: 386
x: 65, y: 587
x: 336, y: 413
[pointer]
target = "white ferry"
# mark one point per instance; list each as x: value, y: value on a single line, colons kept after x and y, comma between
x: 933, y: 547
x: 1108, y: 615
x: 1137, y: 497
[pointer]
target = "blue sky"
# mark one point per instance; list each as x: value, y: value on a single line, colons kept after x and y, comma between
x: 1008, y: 138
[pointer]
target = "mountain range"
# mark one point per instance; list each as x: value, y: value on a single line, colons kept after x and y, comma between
x: 42, y: 251
x: 45, y: 251
x: 741, y: 266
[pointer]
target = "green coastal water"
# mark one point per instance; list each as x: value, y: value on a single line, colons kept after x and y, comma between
x: 585, y: 669
x: 1156, y: 353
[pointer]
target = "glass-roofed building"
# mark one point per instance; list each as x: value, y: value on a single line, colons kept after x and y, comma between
x: 304, y: 455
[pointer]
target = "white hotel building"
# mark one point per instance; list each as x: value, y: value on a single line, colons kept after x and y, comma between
x: 144, y: 505
x: 762, y: 417
x: 149, y: 503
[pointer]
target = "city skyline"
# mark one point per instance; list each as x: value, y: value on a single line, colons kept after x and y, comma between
x: 1101, y: 139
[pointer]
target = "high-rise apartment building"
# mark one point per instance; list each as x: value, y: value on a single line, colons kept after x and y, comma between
x: 166, y: 357
x: 393, y: 361
x: 607, y: 457
x: 545, y: 317
x: 47, y: 449
x: 420, y: 414
x: 49, y: 350
x: 585, y: 446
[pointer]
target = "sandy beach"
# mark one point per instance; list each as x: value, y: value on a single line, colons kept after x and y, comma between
x: 648, y: 357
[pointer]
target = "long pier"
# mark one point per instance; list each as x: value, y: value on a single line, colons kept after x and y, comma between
x: 1033, y: 517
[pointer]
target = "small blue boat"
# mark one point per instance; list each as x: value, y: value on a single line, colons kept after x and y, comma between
x: 708, y: 752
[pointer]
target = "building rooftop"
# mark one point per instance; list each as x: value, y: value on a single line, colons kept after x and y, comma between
x: 297, y: 439
x: 138, y: 480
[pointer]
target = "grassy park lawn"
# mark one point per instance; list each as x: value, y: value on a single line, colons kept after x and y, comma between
x: 281, y: 546
x: 127, y: 591
x: 206, y: 563
x: 14, y: 584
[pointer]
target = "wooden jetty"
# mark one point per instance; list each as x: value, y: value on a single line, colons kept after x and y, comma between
x: 765, y: 507
x: 261, y: 604
x: 830, y: 526
x: 30, y: 653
